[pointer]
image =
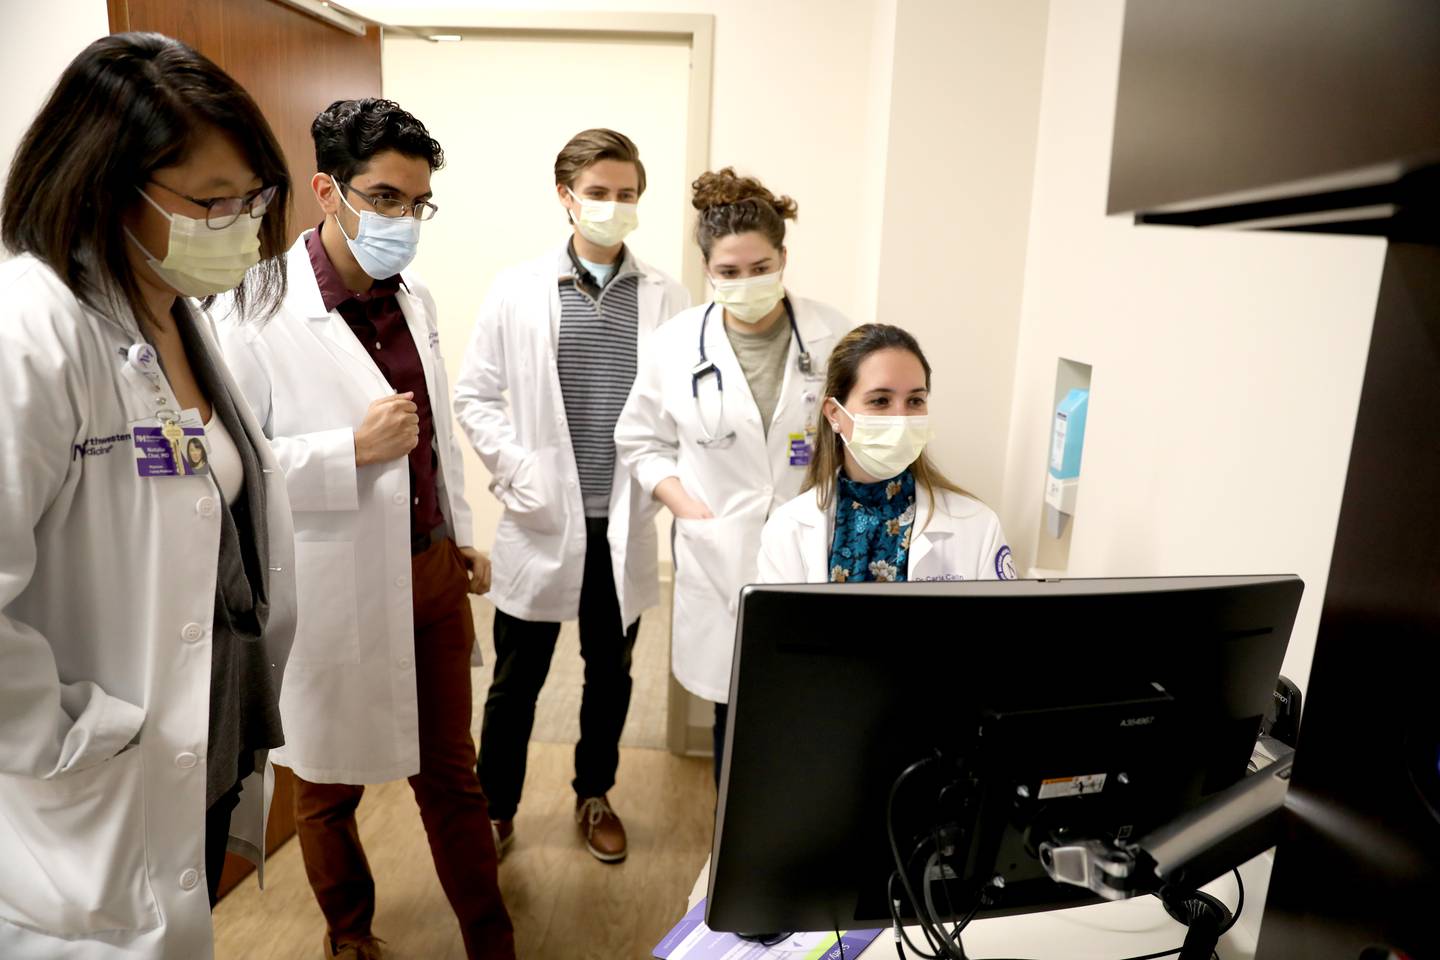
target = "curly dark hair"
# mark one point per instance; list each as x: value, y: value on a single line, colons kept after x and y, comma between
x: 349, y: 132
x: 729, y: 203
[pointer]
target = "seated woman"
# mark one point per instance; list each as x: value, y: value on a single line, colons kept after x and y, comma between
x: 873, y: 507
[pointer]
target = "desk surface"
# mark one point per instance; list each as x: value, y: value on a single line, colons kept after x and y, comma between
x: 1102, y: 931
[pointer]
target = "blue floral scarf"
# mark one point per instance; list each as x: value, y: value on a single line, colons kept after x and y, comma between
x: 873, y: 523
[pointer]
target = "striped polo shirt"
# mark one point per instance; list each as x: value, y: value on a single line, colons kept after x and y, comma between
x: 596, y: 359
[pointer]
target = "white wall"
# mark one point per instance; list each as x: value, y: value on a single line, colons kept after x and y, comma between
x: 40, y: 41
x: 1227, y: 365
x: 963, y: 116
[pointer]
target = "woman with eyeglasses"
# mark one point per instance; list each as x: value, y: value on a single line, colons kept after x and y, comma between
x: 146, y: 609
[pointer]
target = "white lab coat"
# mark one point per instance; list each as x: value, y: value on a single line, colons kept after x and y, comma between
x: 349, y: 705
x: 107, y: 601
x: 509, y: 403
x: 961, y: 540
x: 660, y: 435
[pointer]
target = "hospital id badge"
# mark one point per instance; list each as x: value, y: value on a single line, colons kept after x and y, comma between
x: 171, y: 445
x: 802, y: 448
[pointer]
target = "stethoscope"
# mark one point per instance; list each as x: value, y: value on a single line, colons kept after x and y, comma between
x: 706, y: 367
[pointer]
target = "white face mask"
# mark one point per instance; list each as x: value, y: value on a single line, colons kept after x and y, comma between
x: 885, y: 447
x: 751, y: 299
x: 605, y: 223
x: 201, y: 262
x: 383, y: 246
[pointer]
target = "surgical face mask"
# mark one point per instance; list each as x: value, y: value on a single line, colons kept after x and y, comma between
x: 605, y: 223
x: 749, y: 300
x: 885, y: 447
x: 201, y: 262
x: 383, y: 246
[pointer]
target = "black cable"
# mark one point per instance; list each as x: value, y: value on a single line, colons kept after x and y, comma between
x: 1239, y: 904
x: 951, y: 937
x: 840, y: 941
x: 900, y: 866
x: 900, y: 928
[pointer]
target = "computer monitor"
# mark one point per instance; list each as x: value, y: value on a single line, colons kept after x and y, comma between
x: 1025, y: 711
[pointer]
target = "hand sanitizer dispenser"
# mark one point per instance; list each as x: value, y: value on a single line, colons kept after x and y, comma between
x: 1066, y: 441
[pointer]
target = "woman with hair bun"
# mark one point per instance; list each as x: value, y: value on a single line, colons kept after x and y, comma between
x: 721, y: 423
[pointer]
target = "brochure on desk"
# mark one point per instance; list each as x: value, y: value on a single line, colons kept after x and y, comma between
x: 693, y: 940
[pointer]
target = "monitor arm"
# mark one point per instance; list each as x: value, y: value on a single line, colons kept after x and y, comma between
x: 1235, y: 825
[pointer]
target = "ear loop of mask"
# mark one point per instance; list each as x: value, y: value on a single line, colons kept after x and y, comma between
x: 340, y: 191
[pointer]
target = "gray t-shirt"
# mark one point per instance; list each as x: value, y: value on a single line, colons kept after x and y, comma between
x: 762, y: 358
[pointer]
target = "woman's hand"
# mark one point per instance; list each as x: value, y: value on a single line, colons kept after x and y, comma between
x: 685, y: 507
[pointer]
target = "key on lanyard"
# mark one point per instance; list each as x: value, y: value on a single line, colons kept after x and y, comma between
x: 173, y: 432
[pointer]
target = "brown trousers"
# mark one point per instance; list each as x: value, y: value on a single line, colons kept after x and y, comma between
x: 452, y: 805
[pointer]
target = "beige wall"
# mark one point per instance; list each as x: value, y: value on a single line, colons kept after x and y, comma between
x: 1227, y: 365
x: 956, y: 208
x: 40, y: 41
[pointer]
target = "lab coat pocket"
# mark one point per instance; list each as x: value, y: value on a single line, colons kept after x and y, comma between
x: 715, y: 558
x: 530, y: 499
x: 73, y: 850
x: 327, y: 622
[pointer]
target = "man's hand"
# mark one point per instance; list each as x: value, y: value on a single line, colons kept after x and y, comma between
x: 390, y: 430
x: 478, y: 566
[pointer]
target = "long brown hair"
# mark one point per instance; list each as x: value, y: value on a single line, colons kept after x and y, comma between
x: 729, y: 204
x: 126, y: 106
x: 841, y: 372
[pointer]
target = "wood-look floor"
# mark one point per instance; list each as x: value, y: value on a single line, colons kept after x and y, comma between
x: 565, y: 905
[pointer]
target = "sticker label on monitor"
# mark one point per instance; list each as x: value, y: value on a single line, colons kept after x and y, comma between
x: 1072, y: 786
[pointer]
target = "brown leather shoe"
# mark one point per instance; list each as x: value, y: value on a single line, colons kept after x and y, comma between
x: 504, y: 833
x: 603, y: 832
x: 366, y: 949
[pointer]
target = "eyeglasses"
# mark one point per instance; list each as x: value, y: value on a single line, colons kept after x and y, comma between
x: 388, y: 207
x: 220, y: 212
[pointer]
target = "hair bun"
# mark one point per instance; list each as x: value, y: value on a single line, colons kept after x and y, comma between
x: 719, y: 188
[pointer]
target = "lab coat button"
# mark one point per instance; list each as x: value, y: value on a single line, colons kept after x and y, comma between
x: 399, y: 499
x: 186, y: 760
x: 205, y: 506
x: 402, y: 581
x: 192, y: 632
x: 403, y: 663
x: 189, y: 879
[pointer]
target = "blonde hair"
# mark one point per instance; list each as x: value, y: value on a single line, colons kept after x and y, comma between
x: 841, y: 372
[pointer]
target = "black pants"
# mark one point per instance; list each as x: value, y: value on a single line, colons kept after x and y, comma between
x: 523, y: 649
x: 217, y: 835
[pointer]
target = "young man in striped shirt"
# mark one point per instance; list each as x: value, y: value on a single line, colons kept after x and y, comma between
x: 547, y: 372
